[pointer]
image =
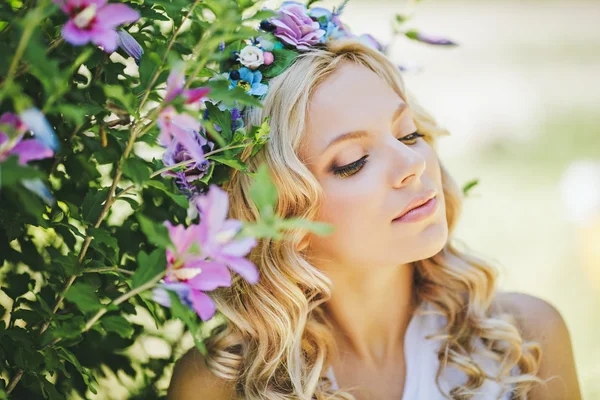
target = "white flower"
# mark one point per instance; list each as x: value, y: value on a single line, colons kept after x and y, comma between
x: 251, y: 57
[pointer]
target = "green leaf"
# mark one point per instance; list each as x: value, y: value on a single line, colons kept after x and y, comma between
x: 283, y: 59
x: 219, y: 91
x: 148, y: 67
x: 263, y: 192
x: 157, y: 234
x: 49, y: 390
x: 92, y: 204
x: 66, y: 265
x: 136, y: 169
x: 84, y: 296
x: 319, y: 228
x: 117, y: 324
x: 11, y: 172
x: 148, y: 267
x: 221, y: 118
x: 105, y: 244
x: 120, y: 97
x: 183, y: 312
x: 72, y: 112
x: 231, y: 162
x: 470, y: 185
x: 86, y: 374
x: 179, y: 199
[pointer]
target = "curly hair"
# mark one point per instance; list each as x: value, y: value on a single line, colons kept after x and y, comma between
x: 277, y: 341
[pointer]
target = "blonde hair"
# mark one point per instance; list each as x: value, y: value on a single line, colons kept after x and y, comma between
x: 277, y: 340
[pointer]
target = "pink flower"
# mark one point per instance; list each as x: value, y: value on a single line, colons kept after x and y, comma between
x: 202, y: 253
x: 295, y: 27
x: 26, y: 149
x: 95, y: 21
x: 175, y: 83
x: 216, y: 234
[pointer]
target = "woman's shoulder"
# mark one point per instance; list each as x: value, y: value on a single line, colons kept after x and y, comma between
x: 539, y: 321
x: 192, y: 379
x: 535, y: 316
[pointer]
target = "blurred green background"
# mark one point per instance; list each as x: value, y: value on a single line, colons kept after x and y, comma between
x: 521, y: 98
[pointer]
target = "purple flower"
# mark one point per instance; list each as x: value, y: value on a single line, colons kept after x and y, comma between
x: 25, y: 149
x: 202, y: 254
x: 217, y: 232
x: 295, y: 27
x: 174, y: 125
x: 130, y: 45
x: 95, y: 21
x: 177, y: 152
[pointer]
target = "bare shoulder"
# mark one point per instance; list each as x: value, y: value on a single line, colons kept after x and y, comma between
x: 192, y: 379
x: 540, y: 321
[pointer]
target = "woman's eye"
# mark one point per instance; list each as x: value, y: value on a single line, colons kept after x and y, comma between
x: 412, y: 137
x: 350, y: 169
x: 353, y: 168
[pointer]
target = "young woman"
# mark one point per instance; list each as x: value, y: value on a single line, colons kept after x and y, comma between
x: 386, y: 307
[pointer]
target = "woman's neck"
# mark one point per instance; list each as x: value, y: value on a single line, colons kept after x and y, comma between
x: 370, y: 312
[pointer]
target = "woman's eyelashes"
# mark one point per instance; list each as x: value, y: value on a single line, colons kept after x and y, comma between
x: 352, y: 168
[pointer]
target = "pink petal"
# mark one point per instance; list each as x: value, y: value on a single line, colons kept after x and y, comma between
x: 203, y: 305
x: 175, y: 82
x: 186, y: 121
x: 31, y: 150
x: 240, y: 247
x: 72, y: 34
x: 98, y: 3
x: 214, y: 207
x: 108, y: 39
x: 242, y: 266
x: 180, y: 237
x: 113, y: 15
x: 213, y: 275
x: 194, y: 95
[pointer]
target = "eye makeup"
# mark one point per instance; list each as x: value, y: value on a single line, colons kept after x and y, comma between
x: 352, y: 168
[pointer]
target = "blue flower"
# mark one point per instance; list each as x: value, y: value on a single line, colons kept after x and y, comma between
x: 41, y: 128
x: 130, y: 45
x: 253, y: 78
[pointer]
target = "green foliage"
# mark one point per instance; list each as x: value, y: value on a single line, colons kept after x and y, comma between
x: 65, y: 266
x: 75, y: 274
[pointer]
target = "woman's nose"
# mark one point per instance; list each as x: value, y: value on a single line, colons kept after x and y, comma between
x: 407, y: 164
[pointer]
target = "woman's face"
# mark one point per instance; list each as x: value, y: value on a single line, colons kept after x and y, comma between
x: 362, y: 201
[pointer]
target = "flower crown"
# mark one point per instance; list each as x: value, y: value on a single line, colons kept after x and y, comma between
x: 295, y: 28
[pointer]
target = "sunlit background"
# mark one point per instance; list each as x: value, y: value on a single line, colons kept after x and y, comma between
x: 521, y: 97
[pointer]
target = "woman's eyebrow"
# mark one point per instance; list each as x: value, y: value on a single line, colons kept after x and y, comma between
x: 361, y: 133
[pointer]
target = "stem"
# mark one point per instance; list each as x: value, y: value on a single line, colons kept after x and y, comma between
x: 124, y: 297
x: 103, y: 269
x: 164, y: 59
x: 27, y: 32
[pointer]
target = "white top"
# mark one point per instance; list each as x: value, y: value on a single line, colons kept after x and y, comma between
x: 422, y: 363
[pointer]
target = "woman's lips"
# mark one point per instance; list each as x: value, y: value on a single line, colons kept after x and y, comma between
x: 419, y: 213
